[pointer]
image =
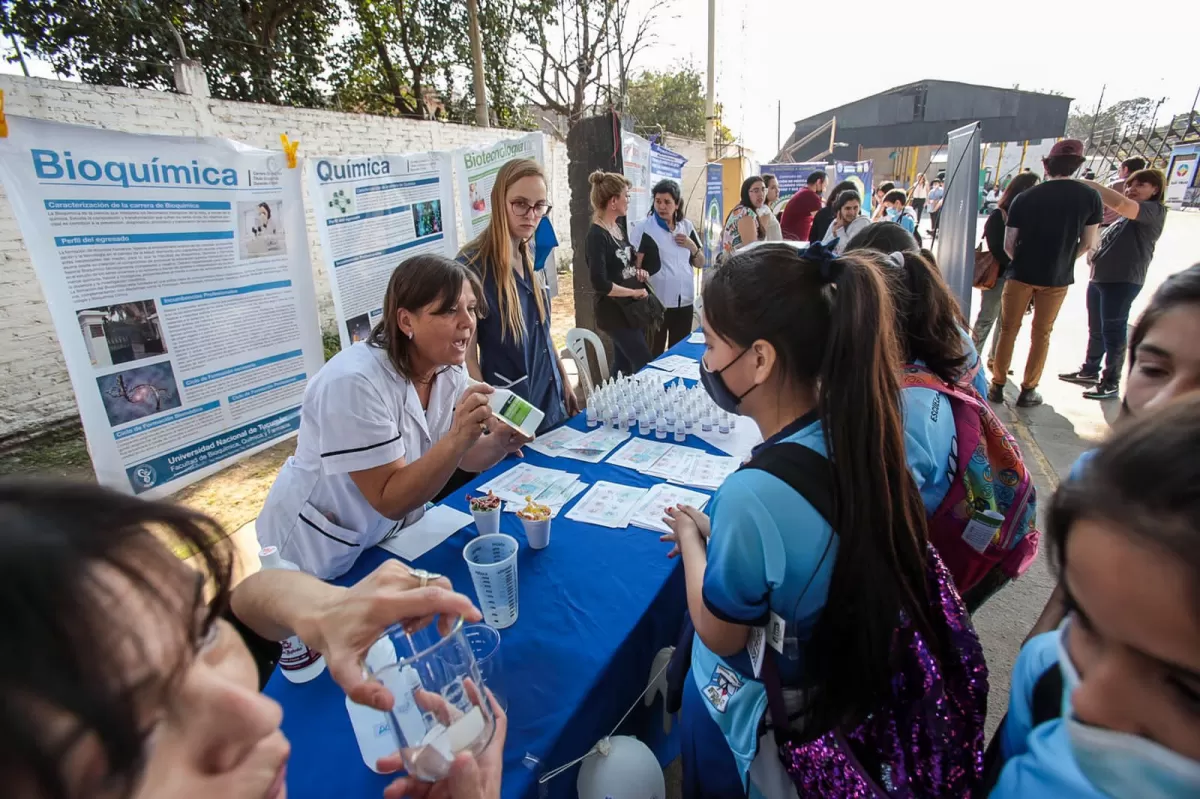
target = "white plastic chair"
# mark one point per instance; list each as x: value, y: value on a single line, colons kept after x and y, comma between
x: 578, y: 339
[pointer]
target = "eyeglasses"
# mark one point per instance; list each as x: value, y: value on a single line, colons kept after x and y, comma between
x: 522, y: 208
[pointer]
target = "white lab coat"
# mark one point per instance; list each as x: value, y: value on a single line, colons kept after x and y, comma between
x: 358, y: 413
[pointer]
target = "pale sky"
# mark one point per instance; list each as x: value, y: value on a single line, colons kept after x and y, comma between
x: 815, y: 56
x: 789, y: 52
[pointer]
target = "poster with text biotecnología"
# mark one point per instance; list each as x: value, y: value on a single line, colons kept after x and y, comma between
x: 177, y: 274
x: 477, y: 168
x: 374, y: 211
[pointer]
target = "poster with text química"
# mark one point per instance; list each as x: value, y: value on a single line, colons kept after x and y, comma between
x: 477, y: 168
x: 177, y: 274
x: 373, y: 212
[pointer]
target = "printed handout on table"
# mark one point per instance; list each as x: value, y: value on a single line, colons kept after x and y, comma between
x: 673, y: 363
x: 553, y: 443
x: 640, y: 454
x: 705, y: 471
x: 652, y: 508
x: 607, y: 504
x: 595, y: 446
x: 525, y: 480
x: 439, y: 523
x: 556, y: 501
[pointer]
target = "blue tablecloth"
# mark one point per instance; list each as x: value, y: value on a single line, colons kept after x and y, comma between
x: 595, y: 608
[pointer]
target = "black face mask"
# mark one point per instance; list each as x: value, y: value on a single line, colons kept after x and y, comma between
x: 714, y: 384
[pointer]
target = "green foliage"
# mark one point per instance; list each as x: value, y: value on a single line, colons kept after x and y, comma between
x: 1125, y: 116
x: 269, y: 51
x: 673, y: 101
x: 331, y: 342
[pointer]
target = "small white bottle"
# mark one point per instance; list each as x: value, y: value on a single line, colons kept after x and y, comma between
x: 373, y: 728
x: 660, y: 427
x: 297, y: 662
x: 592, y: 421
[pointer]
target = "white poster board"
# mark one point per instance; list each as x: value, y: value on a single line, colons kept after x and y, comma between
x: 177, y: 274
x: 635, y: 152
x: 374, y: 211
x: 477, y: 168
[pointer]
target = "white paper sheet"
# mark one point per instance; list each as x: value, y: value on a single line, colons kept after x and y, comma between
x: 673, y: 363
x: 706, y: 471
x: 524, y: 480
x: 607, y: 504
x: 439, y: 523
x: 553, y: 443
x: 596, y: 445
x: 650, y: 511
x: 737, y: 442
x: 640, y: 454
x: 696, y: 337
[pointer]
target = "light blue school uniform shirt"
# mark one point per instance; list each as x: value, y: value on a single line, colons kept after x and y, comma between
x: 767, y: 541
x: 930, y: 442
x: 1038, y: 763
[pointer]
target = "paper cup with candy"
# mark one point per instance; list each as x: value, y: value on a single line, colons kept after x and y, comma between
x: 486, y: 510
x: 536, y: 519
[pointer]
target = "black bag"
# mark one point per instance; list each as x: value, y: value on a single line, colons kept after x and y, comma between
x: 642, y: 314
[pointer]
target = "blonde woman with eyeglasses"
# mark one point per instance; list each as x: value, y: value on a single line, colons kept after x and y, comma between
x: 512, y: 346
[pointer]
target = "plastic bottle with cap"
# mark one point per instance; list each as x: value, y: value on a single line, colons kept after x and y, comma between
x: 297, y: 662
x: 373, y: 728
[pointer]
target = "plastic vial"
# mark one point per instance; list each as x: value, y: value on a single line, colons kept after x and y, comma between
x: 680, y: 435
x: 706, y: 422
x: 592, y: 421
x: 644, y: 425
x: 660, y: 428
x: 298, y: 663
x: 723, y: 425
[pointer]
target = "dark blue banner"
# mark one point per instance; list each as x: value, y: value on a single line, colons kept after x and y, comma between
x: 792, y: 177
x: 861, y: 174
x: 714, y: 210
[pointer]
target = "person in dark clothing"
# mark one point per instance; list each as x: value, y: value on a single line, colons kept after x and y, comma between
x: 1048, y: 228
x: 993, y: 234
x: 824, y: 218
x: 622, y: 300
x: 1119, y: 269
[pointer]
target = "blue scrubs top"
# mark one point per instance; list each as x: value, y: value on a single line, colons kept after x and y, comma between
x: 503, y: 360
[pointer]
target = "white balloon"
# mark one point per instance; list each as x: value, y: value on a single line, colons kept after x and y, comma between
x: 624, y: 768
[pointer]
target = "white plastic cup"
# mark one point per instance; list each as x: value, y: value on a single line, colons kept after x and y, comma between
x: 487, y: 522
x: 537, y: 532
x: 492, y: 560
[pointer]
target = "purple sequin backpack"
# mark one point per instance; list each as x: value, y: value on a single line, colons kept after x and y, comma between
x: 926, y: 737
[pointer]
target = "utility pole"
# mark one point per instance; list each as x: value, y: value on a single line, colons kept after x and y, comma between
x: 481, y: 105
x: 12, y: 37
x: 710, y: 106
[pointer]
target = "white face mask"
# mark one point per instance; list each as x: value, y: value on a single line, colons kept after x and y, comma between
x: 1118, y: 764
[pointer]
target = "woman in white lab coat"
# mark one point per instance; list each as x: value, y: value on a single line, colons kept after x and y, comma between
x: 385, y: 423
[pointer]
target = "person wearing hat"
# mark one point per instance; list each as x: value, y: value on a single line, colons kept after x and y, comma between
x: 1049, y: 227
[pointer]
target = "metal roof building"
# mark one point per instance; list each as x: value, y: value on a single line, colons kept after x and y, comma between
x: 921, y: 114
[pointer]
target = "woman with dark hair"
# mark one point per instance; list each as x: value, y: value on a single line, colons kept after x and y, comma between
x: 385, y: 424
x: 512, y: 346
x: 1164, y: 365
x: 669, y: 249
x: 1106, y: 705
x: 804, y: 344
x: 1119, y: 267
x: 993, y: 234
x: 129, y: 674
x: 744, y: 223
x: 823, y: 218
x: 919, y: 193
x: 848, y: 220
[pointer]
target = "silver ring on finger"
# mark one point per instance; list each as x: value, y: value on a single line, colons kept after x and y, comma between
x: 425, y: 577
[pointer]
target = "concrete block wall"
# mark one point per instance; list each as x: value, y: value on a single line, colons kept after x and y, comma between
x: 35, y: 392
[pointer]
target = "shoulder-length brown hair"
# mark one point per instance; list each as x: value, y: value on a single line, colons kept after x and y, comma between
x: 419, y: 282
x: 491, y: 251
x: 1154, y: 178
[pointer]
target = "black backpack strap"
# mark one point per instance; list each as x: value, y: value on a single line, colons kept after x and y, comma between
x: 1045, y: 705
x: 810, y: 474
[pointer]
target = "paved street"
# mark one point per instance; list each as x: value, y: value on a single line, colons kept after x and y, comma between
x: 1055, y: 434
